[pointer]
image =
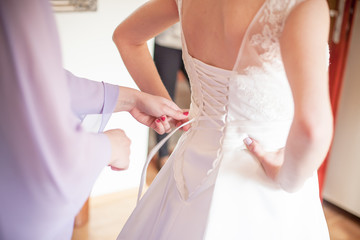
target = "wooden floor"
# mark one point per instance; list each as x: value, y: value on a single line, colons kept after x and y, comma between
x: 342, y: 225
x: 108, y: 214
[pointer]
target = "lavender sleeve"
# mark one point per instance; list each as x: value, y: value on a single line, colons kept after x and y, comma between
x: 91, y: 97
x: 48, y: 164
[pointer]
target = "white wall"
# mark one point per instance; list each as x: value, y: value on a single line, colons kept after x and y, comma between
x: 88, y: 51
x: 342, y: 185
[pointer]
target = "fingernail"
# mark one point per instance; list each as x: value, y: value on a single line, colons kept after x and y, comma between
x: 157, y: 120
x: 186, y: 113
x: 248, y: 141
x: 162, y: 118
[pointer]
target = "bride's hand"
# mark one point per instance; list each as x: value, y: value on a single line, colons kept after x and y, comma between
x: 270, y: 161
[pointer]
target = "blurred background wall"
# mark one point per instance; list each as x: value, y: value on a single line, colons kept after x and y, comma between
x: 88, y: 51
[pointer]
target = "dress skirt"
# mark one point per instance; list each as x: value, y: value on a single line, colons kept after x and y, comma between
x: 212, y: 188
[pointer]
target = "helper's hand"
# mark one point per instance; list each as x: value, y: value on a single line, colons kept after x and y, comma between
x: 158, y: 113
x: 120, y: 149
x: 164, y: 123
x: 270, y: 161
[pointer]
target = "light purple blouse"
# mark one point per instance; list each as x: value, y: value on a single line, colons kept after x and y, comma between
x: 48, y: 164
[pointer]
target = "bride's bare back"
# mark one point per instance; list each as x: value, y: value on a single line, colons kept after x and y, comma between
x: 214, y: 29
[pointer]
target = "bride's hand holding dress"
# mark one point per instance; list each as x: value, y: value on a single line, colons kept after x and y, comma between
x: 304, y: 51
x: 271, y: 162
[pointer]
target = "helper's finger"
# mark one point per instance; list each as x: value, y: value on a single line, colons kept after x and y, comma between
x: 172, y: 105
x: 186, y: 127
x: 165, y: 123
x: 174, y: 113
x: 159, y: 127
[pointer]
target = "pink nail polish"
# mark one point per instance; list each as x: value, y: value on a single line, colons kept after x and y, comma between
x: 186, y: 113
x: 248, y: 141
x: 157, y: 120
x: 162, y: 118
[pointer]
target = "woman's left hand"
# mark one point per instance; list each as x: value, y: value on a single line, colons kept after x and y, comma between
x: 270, y: 161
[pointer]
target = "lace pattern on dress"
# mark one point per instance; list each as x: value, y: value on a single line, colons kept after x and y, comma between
x: 272, y: 20
x: 263, y: 89
x: 263, y: 93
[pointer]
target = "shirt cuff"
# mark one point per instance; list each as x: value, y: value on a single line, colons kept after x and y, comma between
x: 111, y: 93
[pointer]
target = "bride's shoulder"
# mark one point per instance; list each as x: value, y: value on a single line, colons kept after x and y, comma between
x: 310, y: 8
x: 307, y: 26
x: 307, y: 12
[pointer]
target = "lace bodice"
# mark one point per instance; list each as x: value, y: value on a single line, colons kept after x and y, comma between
x: 262, y: 94
x: 270, y: 23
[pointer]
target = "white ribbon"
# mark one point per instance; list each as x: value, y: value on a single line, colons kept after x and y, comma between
x: 152, y: 154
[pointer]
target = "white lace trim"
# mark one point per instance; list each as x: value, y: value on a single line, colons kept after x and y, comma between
x: 272, y: 19
x: 263, y: 93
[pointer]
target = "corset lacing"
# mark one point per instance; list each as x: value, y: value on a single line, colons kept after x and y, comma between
x: 210, y: 89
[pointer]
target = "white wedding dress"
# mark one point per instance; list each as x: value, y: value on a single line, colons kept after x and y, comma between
x: 211, y: 187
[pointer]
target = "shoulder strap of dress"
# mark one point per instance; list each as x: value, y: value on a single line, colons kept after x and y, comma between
x: 260, y: 41
x: 179, y: 4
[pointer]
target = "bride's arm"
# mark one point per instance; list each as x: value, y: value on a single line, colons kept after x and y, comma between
x: 304, y: 51
x: 131, y: 38
x: 305, y: 54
